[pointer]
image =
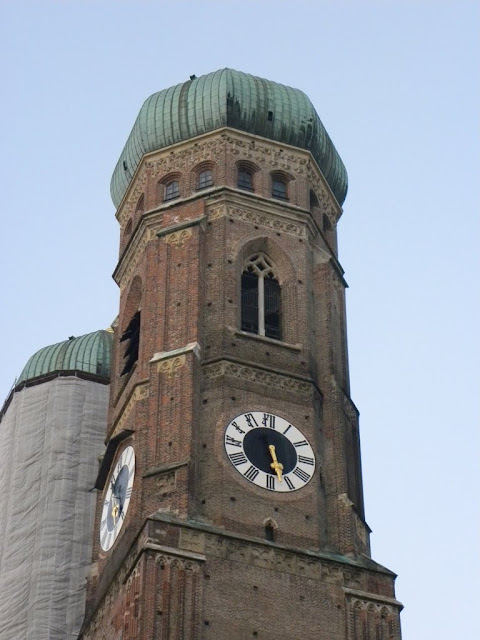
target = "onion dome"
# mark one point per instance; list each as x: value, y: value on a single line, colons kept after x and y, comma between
x: 228, y: 98
x: 88, y: 354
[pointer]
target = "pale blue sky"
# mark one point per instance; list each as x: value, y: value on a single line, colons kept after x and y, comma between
x: 396, y: 85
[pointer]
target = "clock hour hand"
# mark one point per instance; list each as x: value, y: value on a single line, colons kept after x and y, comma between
x: 276, y: 465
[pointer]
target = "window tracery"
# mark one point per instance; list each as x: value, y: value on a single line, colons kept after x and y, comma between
x: 261, y: 297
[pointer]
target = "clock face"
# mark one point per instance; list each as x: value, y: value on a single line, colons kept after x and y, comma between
x: 269, y: 451
x: 117, y: 498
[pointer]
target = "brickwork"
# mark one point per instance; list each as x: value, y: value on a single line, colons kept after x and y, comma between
x: 191, y: 560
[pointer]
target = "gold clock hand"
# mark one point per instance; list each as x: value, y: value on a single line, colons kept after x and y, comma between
x: 276, y: 466
x: 114, y: 510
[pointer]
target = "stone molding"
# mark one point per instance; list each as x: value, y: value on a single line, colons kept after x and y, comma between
x: 129, y: 261
x: 257, y: 375
x: 128, y: 208
x: 365, y: 598
x: 272, y: 558
x: 267, y: 154
x: 269, y: 219
x: 178, y: 234
x: 170, y: 362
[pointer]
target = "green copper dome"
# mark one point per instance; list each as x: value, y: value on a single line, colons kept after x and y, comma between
x: 89, y: 353
x: 228, y: 98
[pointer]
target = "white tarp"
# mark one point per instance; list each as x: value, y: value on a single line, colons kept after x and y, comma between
x: 50, y: 440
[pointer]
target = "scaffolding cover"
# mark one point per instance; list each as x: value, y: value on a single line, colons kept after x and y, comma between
x: 50, y: 439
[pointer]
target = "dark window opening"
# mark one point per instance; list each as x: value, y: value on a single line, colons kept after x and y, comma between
x: 249, y: 302
x: 270, y: 116
x: 244, y: 179
x: 140, y: 204
x: 279, y: 188
x: 172, y: 190
x: 205, y: 179
x: 269, y: 533
x: 313, y: 200
x: 327, y: 226
x: 272, y: 308
x: 261, y: 298
x: 131, y: 335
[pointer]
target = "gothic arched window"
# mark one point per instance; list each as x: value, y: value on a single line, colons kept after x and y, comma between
x: 261, y: 298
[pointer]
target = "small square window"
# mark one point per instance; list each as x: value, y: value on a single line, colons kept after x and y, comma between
x: 205, y: 179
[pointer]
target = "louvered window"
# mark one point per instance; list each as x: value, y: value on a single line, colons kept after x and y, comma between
x: 131, y: 335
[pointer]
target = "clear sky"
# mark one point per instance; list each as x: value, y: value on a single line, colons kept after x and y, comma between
x: 396, y: 84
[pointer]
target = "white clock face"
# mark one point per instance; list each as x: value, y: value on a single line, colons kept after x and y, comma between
x: 269, y: 451
x: 117, y: 498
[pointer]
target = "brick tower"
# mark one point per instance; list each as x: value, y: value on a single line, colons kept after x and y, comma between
x: 230, y: 495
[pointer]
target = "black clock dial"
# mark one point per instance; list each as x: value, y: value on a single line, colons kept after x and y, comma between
x: 256, y: 446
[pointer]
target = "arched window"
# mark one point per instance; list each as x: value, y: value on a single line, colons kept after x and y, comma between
x: 128, y: 228
x: 245, y: 179
x: 313, y: 199
x: 140, y: 204
x: 279, y: 187
x: 205, y: 179
x: 172, y: 190
x: 261, y: 298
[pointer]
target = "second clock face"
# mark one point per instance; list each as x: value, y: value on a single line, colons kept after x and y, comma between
x: 117, y: 498
x: 269, y: 451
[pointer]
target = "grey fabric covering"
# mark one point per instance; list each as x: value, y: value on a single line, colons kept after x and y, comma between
x: 50, y: 439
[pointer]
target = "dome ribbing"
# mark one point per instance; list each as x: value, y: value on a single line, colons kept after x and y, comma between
x: 89, y: 353
x: 228, y: 98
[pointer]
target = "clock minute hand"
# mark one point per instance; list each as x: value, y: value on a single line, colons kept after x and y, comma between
x: 276, y: 466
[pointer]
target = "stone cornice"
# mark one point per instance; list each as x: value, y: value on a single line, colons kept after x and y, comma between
x: 268, y: 377
x: 264, y: 152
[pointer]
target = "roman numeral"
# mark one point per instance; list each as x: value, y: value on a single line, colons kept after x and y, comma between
x: 251, y: 473
x: 103, y: 523
x: 129, y: 492
x: 268, y: 420
x: 238, y: 458
x: 306, y: 460
x: 119, y: 466
x: 270, y: 482
x: 235, y: 426
x: 232, y: 441
x: 289, y: 427
x: 304, y: 477
x: 288, y: 482
x: 250, y: 420
x: 300, y: 443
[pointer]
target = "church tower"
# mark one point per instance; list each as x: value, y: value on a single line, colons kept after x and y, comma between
x: 230, y: 501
